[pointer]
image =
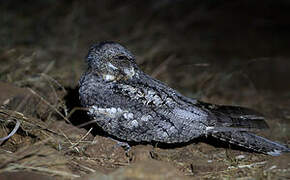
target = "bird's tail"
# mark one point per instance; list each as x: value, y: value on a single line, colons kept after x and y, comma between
x: 252, y: 142
x: 232, y: 125
x: 234, y: 117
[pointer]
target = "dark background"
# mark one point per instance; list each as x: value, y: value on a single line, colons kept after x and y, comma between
x: 189, y: 37
x: 220, y: 51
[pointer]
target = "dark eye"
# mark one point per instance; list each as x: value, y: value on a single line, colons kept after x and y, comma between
x: 122, y: 57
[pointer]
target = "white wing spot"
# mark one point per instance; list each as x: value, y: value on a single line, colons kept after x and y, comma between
x: 134, y: 123
x: 209, y: 128
x: 145, y: 118
x: 128, y: 115
x: 109, y: 77
x: 111, y: 112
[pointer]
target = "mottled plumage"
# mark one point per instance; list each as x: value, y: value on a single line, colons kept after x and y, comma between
x: 132, y: 106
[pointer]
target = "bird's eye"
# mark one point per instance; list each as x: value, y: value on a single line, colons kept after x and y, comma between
x: 122, y: 57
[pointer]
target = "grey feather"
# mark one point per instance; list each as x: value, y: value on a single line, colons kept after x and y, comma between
x: 132, y: 106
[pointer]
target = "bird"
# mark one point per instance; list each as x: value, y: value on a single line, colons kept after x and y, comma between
x: 131, y: 106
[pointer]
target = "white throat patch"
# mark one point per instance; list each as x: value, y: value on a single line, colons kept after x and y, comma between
x: 129, y: 72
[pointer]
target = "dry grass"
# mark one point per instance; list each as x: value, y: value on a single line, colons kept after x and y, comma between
x: 42, y: 56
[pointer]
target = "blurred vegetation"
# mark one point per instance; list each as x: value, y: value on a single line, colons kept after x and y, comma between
x: 225, y: 52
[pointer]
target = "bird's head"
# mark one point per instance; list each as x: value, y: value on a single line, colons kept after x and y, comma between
x: 111, y: 61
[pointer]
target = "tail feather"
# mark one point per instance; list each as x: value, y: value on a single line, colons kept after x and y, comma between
x: 252, y: 142
x: 235, y: 117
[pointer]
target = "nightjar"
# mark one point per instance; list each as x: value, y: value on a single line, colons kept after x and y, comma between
x: 132, y: 106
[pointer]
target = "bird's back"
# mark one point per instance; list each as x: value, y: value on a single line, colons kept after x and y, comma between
x: 141, y: 110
